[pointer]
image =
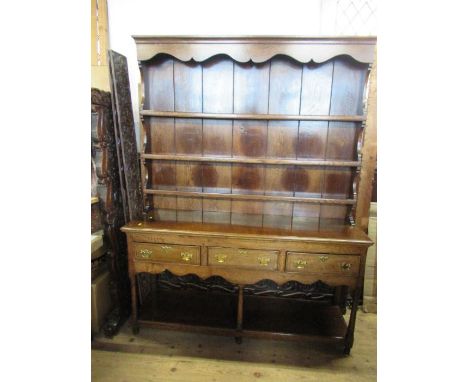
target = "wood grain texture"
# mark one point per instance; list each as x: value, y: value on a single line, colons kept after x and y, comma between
x: 252, y: 196
x: 188, y: 137
x: 347, y: 93
x: 346, y: 97
x: 326, y: 263
x: 293, y: 240
x: 254, y: 117
x: 249, y: 258
x: 311, y: 143
x: 221, y: 159
x: 159, y: 95
x: 369, y: 154
x: 315, y: 99
x: 167, y: 253
x: 181, y: 356
x: 158, y: 79
x: 172, y: 356
x: 256, y: 49
x: 284, y: 97
x: 345, y: 235
x: 218, y: 89
x: 251, y: 85
x: 260, y: 88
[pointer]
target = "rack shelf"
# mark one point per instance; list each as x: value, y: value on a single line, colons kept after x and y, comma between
x: 262, y: 117
x: 250, y: 197
x: 270, y: 161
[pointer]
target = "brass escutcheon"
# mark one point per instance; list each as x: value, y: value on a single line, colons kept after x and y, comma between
x: 221, y: 258
x: 264, y: 260
x: 165, y: 247
x: 323, y: 258
x: 346, y: 266
x: 300, y: 264
x: 186, y: 256
x: 242, y: 252
x: 145, y: 253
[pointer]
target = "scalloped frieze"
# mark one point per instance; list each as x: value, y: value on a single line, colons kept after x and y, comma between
x: 192, y: 281
x: 316, y: 291
x: 256, y: 49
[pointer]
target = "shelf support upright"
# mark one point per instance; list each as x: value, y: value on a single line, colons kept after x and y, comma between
x: 369, y: 153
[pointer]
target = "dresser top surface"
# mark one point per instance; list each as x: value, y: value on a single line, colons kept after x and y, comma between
x: 349, y: 235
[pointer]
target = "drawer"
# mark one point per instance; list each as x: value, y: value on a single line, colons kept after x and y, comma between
x: 186, y: 254
x: 322, y: 262
x: 238, y: 257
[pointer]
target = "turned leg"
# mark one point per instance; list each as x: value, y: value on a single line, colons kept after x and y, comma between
x: 240, y: 314
x: 134, y: 319
x: 349, y: 339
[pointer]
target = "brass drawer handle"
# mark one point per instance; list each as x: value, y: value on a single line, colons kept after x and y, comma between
x: 300, y: 264
x: 346, y: 266
x: 221, y: 258
x: 264, y: 260
x: 145, y: 253
x: 323, y: 258
x: 186, y: 256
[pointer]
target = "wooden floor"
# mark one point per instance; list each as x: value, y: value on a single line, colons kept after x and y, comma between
x: 156, y: 355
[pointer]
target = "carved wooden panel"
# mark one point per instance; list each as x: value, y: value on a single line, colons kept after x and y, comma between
x: 125, y: 138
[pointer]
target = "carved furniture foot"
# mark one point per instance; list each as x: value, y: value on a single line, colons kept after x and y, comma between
x: 112, y: 324
x: 347, y: 349
x: 348, y: 346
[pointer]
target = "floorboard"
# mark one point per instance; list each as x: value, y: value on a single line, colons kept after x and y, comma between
x: 159, y: 355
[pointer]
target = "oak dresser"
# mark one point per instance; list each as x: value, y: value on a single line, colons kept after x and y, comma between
x: 256, y: 160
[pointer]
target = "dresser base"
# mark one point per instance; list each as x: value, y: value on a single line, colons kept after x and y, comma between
x: 244, y: 281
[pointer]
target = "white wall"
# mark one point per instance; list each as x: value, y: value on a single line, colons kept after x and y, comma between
x: 240, y: 17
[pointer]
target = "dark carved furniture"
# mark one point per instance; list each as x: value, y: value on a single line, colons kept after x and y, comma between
x: 255, y: 171
x: 124, y: 129
x: 110, y: 202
